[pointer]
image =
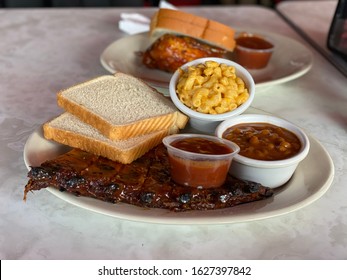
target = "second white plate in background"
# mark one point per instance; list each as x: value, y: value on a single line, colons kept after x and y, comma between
x: 290, y: 60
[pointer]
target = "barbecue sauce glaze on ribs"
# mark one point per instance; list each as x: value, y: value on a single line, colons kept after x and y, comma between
x: 146, y: 182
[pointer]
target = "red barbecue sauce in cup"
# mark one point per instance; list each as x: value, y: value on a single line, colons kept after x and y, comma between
x: 200, y: 161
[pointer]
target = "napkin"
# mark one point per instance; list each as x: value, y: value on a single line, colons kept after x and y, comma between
x: 133, y: 23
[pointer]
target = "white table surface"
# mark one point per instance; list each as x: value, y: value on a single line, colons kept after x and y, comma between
x: 43, y: 51
x: 312, y: 19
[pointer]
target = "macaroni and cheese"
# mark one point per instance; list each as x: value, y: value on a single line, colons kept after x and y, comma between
x: 211, y: 88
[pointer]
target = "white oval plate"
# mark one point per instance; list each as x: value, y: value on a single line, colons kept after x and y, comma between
x: 310, y: 181
x: 290, y: 60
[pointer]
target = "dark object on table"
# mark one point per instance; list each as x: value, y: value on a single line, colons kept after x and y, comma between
x: 146, y: 182
x: 337, y: 37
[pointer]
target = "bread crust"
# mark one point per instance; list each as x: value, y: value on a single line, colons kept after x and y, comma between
x: 121, y: 131
x: 179, y: 22
x: 135, y: 147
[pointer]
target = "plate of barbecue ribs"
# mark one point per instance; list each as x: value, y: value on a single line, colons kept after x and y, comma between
x: 54, y: 165
x: 289, y: 61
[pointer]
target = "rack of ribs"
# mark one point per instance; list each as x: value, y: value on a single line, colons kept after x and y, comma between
x: 145, y: 183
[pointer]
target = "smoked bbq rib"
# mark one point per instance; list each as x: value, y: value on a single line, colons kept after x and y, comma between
x: 146, y: 182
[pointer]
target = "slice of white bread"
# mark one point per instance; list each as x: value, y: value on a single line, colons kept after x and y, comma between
x: 71, y: 131
x: 182, y: 23
x: 121, y: 106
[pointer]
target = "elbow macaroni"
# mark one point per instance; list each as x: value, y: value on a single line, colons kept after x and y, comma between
x: 211, y: 88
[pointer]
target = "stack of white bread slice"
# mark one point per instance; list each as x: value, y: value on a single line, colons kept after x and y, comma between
x: 117, y: 116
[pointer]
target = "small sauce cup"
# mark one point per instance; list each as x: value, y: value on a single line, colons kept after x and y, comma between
x: 199, y: 161
x: 253, y: 51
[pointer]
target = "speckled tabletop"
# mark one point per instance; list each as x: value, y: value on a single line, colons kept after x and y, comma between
x: 45, y: 50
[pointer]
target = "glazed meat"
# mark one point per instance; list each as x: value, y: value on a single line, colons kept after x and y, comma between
x: 170, y: 52
x: 146, y: 182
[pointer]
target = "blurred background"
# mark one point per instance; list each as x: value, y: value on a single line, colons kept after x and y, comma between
x: 125, y: 3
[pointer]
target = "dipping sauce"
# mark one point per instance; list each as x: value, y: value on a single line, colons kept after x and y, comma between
x: 253, y: 52
x: 201, y: 146
x: 263, y: 141
x: 254, y: 42
x: 199, y: 161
